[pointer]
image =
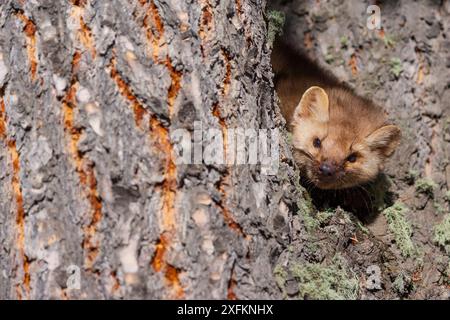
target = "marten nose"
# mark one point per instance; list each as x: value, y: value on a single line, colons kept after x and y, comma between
x: 327, y: 169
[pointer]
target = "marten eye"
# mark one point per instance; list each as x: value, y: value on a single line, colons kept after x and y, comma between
x: 316, y: 143
x: 352, y: 157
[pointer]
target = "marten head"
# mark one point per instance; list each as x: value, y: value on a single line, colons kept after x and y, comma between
x: 340, y: 140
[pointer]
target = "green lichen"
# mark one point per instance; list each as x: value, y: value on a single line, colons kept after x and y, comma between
x: 446, y: 123
x: 310, y: 222
x: 439, y: 209
x: 446, y: 276
x: 346, y: 216
x: 344, y: 41
x: 363, y: 228
x: 425, y: 186
x: 447, y: 196
x: 395, y: 216
x: 280, y: 275
x: 396, y: 67
x: 389, y: 41
x: 314, y: 221
x: 329, y: 58
x: 326, y: 282
x: 442, y: 234
x: 311, y: 248
x: 289, y: 138
x: 323, y: 217
x: 411, y: 176
x: 276, y: 23
x: 403, y: 284
x: 305, y: 208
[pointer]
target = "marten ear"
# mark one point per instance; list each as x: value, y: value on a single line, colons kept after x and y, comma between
x: 314, y: 104
x: 385, y: 140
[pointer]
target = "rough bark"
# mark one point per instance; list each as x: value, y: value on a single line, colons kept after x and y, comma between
x: 91, y: 91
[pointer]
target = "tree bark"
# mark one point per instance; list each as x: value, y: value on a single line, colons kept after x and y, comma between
x: 91, y: 93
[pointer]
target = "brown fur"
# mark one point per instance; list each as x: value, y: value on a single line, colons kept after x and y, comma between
x: 317, y: 106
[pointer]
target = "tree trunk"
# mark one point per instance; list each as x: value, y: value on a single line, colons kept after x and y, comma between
x: 91, y: 184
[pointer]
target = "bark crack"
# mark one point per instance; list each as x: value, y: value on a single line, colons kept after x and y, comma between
x: 23, y: 287
x: 171, y: 274
x: 126, y: 91
x: 154, y: 26
x: 79, y: 3
x: 84, y: 32
x: 83, y: 166
x: 159, y: 135
x: 238, y: 7
x: 205, y: 24
x: 224, y: 181
x: 231, y: 285
x: 227, y: 79
x: 86, y: 38
x: 175, y: 85
x: 30, y: 33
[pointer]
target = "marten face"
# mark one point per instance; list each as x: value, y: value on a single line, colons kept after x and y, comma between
x: 340, y: 141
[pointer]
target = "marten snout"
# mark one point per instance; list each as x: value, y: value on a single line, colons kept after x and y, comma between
x: 327, y: 169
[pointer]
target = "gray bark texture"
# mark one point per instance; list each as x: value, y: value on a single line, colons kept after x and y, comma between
x: 90, y: 92
x: 90, y: 183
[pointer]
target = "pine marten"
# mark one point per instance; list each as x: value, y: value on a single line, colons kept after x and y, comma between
x: 340, y: 140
